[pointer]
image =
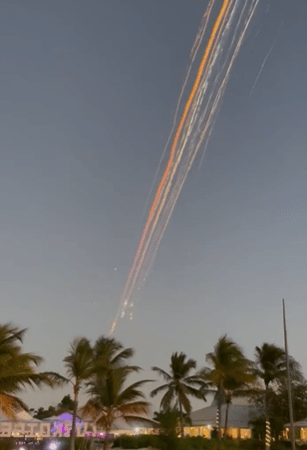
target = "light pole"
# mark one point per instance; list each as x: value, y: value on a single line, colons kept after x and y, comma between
x: 292, y: 431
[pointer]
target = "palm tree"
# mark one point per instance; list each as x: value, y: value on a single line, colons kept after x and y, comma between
x: 179, y: 385
x: 228, y: 366
x: 271, y: 368
x: 79, y: 366
x: 111, y: 400
x: 18, y: 370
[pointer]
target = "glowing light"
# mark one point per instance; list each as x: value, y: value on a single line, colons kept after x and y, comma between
x: 53, y: 446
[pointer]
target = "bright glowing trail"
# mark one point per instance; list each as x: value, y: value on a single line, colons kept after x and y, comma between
x: 219, y: 50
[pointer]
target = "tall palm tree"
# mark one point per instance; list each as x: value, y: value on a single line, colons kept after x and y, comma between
x: 271, y: 368
x: 228, y: 365
x: 111, y: 400
x: 19, y: 370
x: 180, y: 384
x: 79, y: 366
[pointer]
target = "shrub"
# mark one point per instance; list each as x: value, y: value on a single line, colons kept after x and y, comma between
x: 142, y: 441
x: 163, y: 442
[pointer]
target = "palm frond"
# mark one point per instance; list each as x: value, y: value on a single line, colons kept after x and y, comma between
x: 56, y: 379
x: 159, y: 389
x: 106, y: 345
x: 123, y: 355
x: 184, y: 400
x: 138, y: 407
x: 131, y: 392
x: 197, y: 393
x: 162, y: 372
x: 90, y: 409
x: 135, y: 418
x: 11, y: 405
x: 167, y: 399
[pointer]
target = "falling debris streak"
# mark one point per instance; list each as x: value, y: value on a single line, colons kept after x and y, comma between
x: 265, y: 60
x: 202, y: 30
x: 175, y: 141
x: 193, y: 129
x: 262, y: 67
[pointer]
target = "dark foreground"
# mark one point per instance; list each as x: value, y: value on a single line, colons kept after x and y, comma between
x: 141, y: 442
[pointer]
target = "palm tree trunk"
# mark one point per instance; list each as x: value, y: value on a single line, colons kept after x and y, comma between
x: 92, y: 442
x: 107, y: 442
x: 74, y: 416
x: 226, y: 418
x: 181, y: 419
x: 267, y: 419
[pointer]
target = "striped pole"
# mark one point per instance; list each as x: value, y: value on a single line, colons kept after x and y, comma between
x: 217, y: 421
x: 267, y: 435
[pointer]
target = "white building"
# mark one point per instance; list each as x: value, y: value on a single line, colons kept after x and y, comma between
x: 60, y: 426
x: 23, y: 425
x: 239, y: 416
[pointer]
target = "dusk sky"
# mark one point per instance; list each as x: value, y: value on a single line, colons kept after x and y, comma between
x: 88, y: 92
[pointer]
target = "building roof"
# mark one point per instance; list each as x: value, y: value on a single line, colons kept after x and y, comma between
x: 239, y: 413
x: 299, y: 424
x: 22, y: 416
x: 65, y: 417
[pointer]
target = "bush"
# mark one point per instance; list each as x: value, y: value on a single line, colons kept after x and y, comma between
x: 163, y: 442
x: 251, y: 444
x: 141, y: 441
